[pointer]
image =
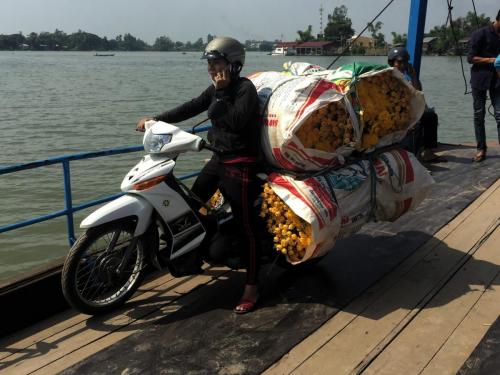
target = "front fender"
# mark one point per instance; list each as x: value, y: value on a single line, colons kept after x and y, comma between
x: 126, y: 206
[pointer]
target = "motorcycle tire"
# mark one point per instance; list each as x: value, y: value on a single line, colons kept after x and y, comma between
x: 89, y: 280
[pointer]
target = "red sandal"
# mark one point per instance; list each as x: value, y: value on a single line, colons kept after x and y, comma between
x: 245, y: 306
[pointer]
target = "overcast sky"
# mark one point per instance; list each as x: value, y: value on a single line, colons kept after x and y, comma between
x: 187, y: 20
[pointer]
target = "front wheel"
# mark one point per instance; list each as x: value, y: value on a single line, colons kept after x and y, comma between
x: 97, y: 276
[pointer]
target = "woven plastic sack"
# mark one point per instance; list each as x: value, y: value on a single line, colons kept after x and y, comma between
x: 287, y: 103
x: 338, y: 203
x: 400, y: 184
x: 386, y: 104
x: 312, y: 201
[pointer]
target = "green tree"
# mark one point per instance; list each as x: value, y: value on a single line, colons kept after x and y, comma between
x: 198, y: 45
x: 81, y: 41
x: 163, y: 43
x: 339, y: 26
x: 131, y: 43
x: 210, y: 37
x: 378, y: 37
x: 305, y: 35
x: 32, y: 41
x: 266, y: 46
x: 399, y: 38
x: 448, y: 37
x: 12, y: 42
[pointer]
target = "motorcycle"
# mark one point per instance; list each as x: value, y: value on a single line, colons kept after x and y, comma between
x: 157, y: 222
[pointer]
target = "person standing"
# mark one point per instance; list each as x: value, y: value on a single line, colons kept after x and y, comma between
x: 232, y: 104
x: 484, y: 47
x: 425, y: 133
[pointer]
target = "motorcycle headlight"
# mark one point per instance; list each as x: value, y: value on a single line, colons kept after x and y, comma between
x: 153, y: 143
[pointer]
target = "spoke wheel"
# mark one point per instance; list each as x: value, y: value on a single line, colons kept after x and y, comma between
x: 96, y: 278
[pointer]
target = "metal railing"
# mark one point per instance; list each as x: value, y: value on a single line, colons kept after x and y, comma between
x: 69, y: 208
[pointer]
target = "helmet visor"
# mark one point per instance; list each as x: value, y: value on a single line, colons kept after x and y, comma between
x: 213, y: 55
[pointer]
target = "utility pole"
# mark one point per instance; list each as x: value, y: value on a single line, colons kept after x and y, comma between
x: 320, y: 34
x: 416, y: 27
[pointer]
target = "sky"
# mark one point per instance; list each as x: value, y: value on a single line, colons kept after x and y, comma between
x: 188, y: 20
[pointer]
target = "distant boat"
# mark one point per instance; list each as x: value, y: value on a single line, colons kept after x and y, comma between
x: 104, y: 54
x: 284, y: 49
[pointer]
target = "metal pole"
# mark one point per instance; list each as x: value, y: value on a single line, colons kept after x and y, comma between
x: 68, y: 203
x: 416, y: 26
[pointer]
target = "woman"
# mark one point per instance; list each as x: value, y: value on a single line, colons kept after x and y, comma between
x: 232, y: 105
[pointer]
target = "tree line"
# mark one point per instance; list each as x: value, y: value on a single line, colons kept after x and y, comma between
x: 84, y: 41
x: 338, y: 30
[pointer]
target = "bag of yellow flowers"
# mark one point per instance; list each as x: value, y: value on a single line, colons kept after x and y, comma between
x: 308, y: 125
x: 302, y: 216
x: 307, y: 217
x: 386, y: 104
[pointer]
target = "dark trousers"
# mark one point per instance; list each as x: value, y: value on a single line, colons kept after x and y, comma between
x: 239, y: 185
x: 429, y: 125
x: 424, y: 133
x: 479, y: 105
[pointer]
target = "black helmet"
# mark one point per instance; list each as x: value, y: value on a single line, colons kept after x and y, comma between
x: 227, y: 48
x: 398, y: 53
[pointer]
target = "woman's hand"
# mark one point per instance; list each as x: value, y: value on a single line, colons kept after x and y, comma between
x: 142, y: 123
x: 222, y: 79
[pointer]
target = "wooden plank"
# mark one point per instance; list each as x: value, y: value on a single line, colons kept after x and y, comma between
x: 466, y: 336
x: 416, y: 345
x: 320, y: 338
x: 58, y: 346
x: 85, y: 351
x: 65, y: 320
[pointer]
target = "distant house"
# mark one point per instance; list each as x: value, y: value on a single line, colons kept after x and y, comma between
x: 362, y: 41
x: 317, y: 48
x: 428, y: 42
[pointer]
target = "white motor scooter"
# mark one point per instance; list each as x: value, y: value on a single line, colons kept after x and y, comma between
x: 158, y: 222
x: 107, y: 263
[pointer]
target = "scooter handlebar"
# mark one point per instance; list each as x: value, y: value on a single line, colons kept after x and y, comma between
x: 210, y: 147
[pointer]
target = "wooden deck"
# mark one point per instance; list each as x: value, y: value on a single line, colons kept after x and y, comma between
x: 411, y: 297
x: 456, y: 298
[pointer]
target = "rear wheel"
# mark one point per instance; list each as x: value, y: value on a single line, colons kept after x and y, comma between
x: 94, y: 280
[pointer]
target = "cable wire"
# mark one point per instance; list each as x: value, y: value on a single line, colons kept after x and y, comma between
x: 457, y: 45
x: 475, y: 14
x: 361, y: 33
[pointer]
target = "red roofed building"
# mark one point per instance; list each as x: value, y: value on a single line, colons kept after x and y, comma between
x: 317, y: 48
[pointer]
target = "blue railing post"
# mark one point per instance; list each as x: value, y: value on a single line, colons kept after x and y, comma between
x: 68, y: 203
x: 416, y: 28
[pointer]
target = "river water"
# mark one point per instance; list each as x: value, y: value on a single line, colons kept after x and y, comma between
x: 55, y: 103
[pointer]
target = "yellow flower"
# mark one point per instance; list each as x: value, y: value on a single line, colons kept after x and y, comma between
x: 291, y: 234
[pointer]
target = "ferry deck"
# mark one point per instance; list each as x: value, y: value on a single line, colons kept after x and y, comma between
x: 417, y: 296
